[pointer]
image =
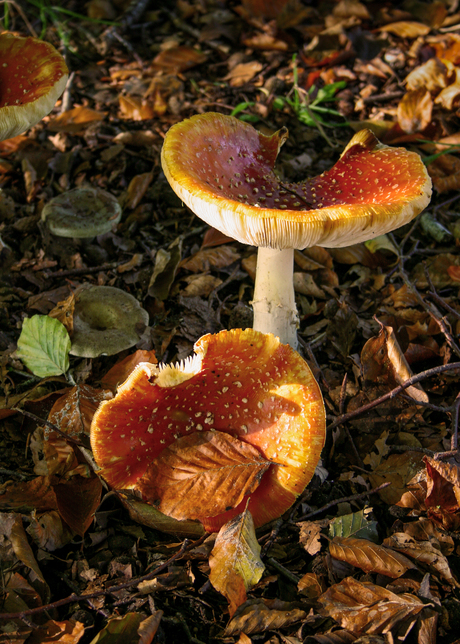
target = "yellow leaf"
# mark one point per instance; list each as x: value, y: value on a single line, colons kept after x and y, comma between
x: 235, y: 560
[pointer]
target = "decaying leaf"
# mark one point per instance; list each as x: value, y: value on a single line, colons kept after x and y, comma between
x: 203, y: 475
x: 73, y: 411
x: 363, y: 607
x: 356, y: 525
x: 369, y: 556
x: 235, y: 561
x: 261, y: 615
x: 423, y: 552
x: 415, y: 110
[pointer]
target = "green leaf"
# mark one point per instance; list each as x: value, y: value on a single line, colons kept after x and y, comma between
x: 44, y: 346
x: 354, y: 525
x: 241, y: 107
x: 278, y: 103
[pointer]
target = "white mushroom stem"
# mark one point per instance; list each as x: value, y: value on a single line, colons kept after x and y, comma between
x: 274, y: 300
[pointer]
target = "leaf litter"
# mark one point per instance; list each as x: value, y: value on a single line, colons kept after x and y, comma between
x: 379, y: 326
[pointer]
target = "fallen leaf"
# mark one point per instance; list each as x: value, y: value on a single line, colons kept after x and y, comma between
x: 204, y: 259
x: 235, y: 561
x: 73, y: 412
x: 261, y: 615
x: 178, y: 59
x: 406, y: 29
x: 202, y: 475
x: 423, y: 552
x: 76, y: 120
x: 243, y: 73
x: 67, y: 632
x: 363, y: 607
x: 431, y: 76
x: 415, y: 110
x: 63, y: 311
x: 369, y: 556
x: 135, y: 108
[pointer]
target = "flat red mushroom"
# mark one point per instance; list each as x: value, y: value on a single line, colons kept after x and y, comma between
x: 32, y: 77
x: 243, y: 383
x: 222, y: 169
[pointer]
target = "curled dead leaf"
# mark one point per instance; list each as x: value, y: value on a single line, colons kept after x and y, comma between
x: 369, y: 556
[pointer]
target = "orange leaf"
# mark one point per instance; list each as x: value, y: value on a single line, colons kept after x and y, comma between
x: 137, y: 189
x: 178, y: 59
x: 135, y: 109
x: 73, y: 412
x: 370, y: 557
x: 75, y: 120
x: 414, y: 110
x: 63, y: 311
x: 203, y: 475
x: 368, y: 608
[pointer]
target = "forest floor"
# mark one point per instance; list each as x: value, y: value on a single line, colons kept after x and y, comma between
x: 371, y: 548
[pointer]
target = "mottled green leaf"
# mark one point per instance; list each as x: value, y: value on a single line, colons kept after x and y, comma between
x: 354, y: 525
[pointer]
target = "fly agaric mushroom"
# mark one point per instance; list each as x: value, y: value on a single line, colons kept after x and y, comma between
x: 222, y: 169
x: 33, y: 75
x: 241, y: 382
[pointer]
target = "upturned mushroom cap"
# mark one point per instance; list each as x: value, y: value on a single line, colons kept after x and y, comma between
x: 82, y: 213
x: 244, y: 383
x: 106, y: 321
x: 222, y: 169
x: 33, y: 75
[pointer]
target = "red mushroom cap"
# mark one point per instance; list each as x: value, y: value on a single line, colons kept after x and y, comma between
x: 244, y: 383
x: 32, y: 77
x: 222, y: 169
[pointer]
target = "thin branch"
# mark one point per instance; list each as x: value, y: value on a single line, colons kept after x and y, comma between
x: 394, y: 392
x: 187, y: 545
x: 344, y: 499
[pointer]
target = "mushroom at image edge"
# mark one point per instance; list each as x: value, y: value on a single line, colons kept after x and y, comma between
x: 82, y: 213
x: 244, y: 383
x: 222, y: 169
x: 106, y: 321
x: 33, y: 76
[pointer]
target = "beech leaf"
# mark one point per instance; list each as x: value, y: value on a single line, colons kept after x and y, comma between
x: 203, y: 475
x: 370, y: 557
x: 235, y: 560
x: 44, y: 346
x: 363, y: 607
x: 356, y: 524
x: 262, y: 615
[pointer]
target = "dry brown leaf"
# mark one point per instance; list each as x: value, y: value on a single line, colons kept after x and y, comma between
x: 203, y: 475
x: 443, y: 492
x: 178, y: 59
x: 68, y: 632
x: 310, y: 535
x: 243, y: 73
x: 77, y: 501
x: 73, y: 412
x: 200, y: 285
x: 76, y: 120
x: 261, y: 615
x: 448, y: 97
x: 36, y: 494
x: 137, y: 188
x: 369, y: 556
x: 399, y: 470
x: 383, y: 362
x: 203, y: 260
x: 432, y: 75
x: 415, y: 110
x: 423, y: 552
x: 305, y: 284
x: 406, y: 29
x: 235, y: 561
x: 63, y: 311
x: 135, y: 108
x: 311, y: 586
x: 368, y: 608
x: 426, y: 530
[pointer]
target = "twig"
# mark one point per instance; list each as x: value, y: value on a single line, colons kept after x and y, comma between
x: 454, y: 437
x: 443, y: 303
x: 284, y: 571
x: 187, y: 545
x: 344, y: 499
x: 394, y: 392
x: 55, y: 428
